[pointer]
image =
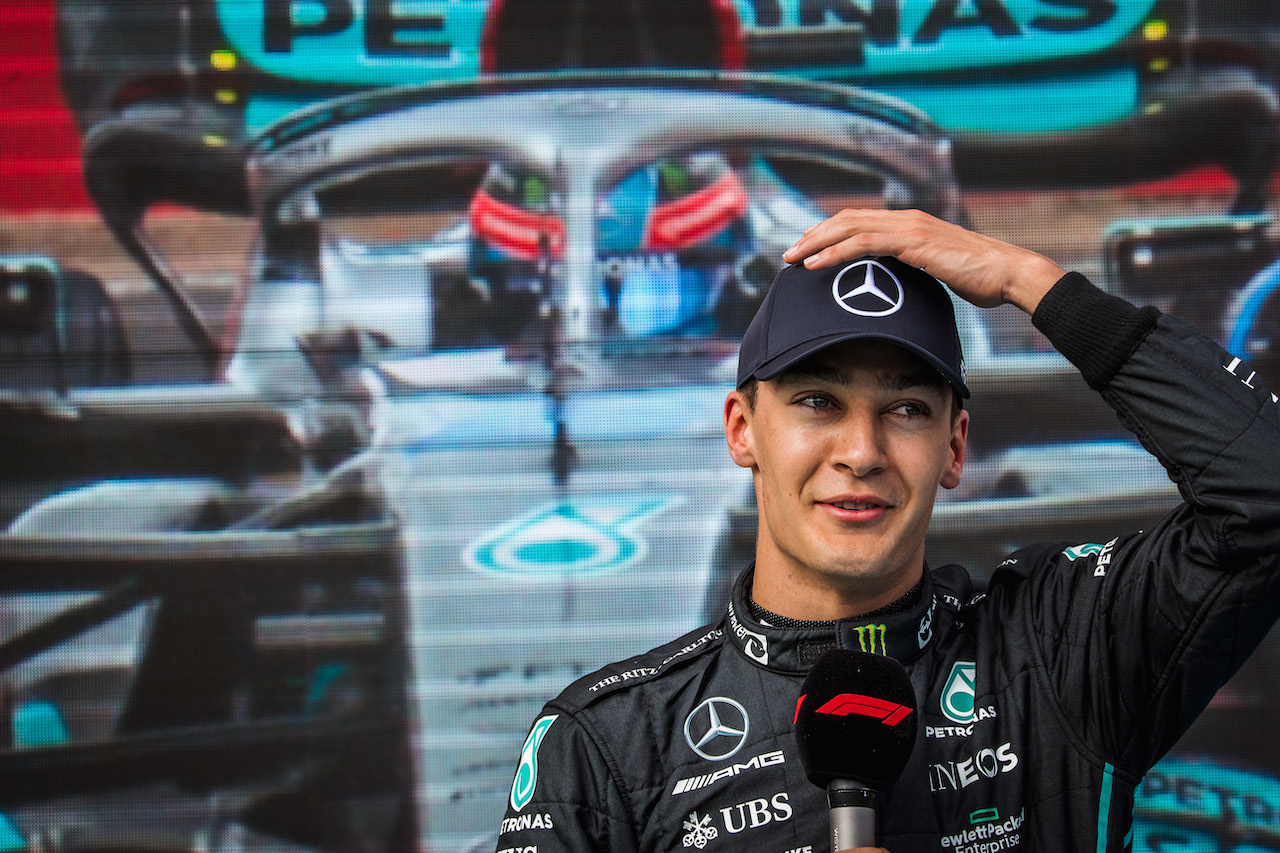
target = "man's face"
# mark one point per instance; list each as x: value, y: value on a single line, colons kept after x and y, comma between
x: 847, y: 451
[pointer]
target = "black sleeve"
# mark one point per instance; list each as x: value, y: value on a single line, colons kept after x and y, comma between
x: 1137, y: 636
x: 563, y: 797
x: 1096, y: 331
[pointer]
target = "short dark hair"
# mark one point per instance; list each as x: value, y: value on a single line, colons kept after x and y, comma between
x: 749, y: 390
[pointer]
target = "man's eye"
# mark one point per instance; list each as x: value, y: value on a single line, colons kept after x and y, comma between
x: 816, y: 401
x: 911, y: 410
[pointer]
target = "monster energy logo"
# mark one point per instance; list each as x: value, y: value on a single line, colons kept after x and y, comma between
x: 867, y: 636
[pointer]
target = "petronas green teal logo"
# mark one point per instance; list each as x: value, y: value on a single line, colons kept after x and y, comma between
x: 527, y: 773
x: 1075, y: 552
x: 958, y: 695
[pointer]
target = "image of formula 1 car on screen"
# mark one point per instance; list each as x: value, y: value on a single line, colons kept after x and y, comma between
x: 464, y: 445
x: 1032, y: 92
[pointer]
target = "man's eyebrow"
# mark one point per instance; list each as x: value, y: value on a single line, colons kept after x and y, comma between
x: 925, y: 378
x: 890, y: 380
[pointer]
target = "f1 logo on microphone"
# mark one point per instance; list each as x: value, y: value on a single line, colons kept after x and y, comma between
x: 848, y: 704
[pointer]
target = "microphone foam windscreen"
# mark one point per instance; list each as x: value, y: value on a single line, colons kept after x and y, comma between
x: 856, y: 719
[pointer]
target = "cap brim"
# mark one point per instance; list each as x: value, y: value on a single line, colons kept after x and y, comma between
x: 784, y: 360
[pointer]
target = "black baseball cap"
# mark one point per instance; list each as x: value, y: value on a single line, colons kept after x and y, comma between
x: 878, y: 298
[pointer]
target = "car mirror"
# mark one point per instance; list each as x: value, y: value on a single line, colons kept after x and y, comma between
x: 59, y: 328
x: 28, y: 300
x: 1188, y: 266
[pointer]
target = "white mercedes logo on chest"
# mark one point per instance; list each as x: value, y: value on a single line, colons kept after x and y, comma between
x: 717, y: 728
x: 867, y: 288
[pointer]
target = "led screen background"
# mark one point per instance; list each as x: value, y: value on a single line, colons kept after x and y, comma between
x: 312, y: 492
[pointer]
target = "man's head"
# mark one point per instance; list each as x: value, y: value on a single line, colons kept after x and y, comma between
x: 872, y: 298
x: 847, y: 412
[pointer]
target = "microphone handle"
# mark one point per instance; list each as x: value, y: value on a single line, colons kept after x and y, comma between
x: 853, y: 809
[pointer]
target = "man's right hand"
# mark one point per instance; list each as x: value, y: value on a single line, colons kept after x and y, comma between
x: 980, y: 269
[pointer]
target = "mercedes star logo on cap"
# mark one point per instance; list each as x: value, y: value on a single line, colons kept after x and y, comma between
x: 871, y: 289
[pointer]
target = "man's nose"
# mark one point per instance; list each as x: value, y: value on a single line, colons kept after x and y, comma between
x: 859, y: 445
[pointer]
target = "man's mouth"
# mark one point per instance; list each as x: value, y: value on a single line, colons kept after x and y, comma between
x: 856, y: 505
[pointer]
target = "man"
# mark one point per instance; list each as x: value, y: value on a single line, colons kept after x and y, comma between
x: 1045, y: 697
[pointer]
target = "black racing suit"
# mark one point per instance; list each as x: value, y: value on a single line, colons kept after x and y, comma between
x: 1044, y: 698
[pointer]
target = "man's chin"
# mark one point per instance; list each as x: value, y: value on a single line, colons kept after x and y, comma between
x: 862, y: 579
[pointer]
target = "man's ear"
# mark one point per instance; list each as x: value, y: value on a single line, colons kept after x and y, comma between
x: 959, y: 434
x: 737, y: 429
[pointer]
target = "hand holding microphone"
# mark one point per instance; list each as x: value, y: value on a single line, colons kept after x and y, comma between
x: 855, y: 728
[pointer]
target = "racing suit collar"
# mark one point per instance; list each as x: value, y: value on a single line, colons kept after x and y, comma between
x: 903, y: 636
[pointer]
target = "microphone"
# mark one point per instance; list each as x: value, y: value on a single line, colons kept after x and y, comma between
x: 855, y: 728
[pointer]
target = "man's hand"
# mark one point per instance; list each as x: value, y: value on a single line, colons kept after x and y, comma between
x: 980, y: 269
